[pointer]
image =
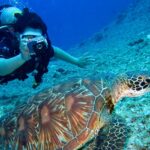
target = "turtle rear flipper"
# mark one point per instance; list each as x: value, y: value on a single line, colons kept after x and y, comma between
x: 112, y: 137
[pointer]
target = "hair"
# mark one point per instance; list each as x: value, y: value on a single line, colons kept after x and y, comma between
x: 29, y: 19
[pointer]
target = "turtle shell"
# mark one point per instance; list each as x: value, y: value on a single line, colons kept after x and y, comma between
x: 64, y: 117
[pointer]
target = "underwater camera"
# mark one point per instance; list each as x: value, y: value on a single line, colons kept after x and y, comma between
x: 37, y: 47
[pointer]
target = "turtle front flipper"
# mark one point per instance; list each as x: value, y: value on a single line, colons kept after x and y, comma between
x: 112, y: 136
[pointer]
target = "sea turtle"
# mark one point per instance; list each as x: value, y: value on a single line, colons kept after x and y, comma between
x: 71, y: 115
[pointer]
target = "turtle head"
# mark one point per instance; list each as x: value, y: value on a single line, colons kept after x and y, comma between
x: 130, y: 86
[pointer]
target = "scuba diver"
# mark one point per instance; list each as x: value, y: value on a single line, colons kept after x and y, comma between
x: 25, y: 46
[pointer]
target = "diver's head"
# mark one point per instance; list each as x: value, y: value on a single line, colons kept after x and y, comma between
x: 30, y: 22
x: 8, y: 14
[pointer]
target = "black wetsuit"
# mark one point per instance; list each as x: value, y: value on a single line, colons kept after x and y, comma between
x: 9, y: 47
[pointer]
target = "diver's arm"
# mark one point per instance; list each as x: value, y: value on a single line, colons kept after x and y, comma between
x: 61, y: 54
x: 7, y: 66
x: 81, y: 62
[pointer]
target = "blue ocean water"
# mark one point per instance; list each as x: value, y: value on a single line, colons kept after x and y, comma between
x: 72, y: 21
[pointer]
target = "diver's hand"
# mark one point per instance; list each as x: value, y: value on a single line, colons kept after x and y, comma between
x: 24, y: 49
x: 85, y: 60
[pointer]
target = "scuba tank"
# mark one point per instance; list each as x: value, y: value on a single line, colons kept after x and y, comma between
x: 9, y: 43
